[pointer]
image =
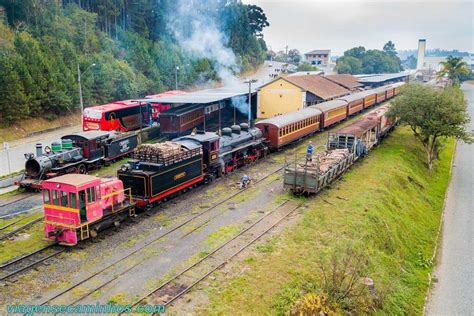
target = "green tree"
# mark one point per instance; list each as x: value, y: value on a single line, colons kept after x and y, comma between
x: 13, y: 99
x: 294, y: 55
x: 306, y: 67
x: 432, y: 116
x: 257, y: 19
x: 349, y: 65
x: 389, y: 48
x: 356, y: 52
x: 410, y: 62
x: 453, y: 68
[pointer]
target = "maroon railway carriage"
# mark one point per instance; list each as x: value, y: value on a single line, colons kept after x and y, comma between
x: 355, y: 102
x: 284, y: 129
x: 178, y: 121
x: 332, y: 112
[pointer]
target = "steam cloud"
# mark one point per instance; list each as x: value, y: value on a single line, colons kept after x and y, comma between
x: 241, y: 104
x: 196, y: 31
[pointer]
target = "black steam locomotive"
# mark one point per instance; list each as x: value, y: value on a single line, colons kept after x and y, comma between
x: 75, y: 153
x: 199, y: 157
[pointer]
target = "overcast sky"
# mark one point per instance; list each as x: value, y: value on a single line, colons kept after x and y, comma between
x: 339, y: 25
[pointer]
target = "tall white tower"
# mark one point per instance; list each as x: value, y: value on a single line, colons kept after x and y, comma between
x: 420, y: 63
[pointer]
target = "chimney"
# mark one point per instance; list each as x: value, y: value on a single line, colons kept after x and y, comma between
x: 39, y: 149
x: 420, y: 63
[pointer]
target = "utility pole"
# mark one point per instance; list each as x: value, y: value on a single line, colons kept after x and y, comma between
x: 249, y: 117
x: 235, y: 113
x: 176, y: 76
x: 80, y: 85
x: 286, y: 53
x: 80, y: 89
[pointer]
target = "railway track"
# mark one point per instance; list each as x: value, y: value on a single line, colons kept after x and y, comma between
x: 184, y: 281
x: 148, y: 243
x: 24, y: 197
x: 19, y: 229
x: 14, y: 222
x: 28, y: 261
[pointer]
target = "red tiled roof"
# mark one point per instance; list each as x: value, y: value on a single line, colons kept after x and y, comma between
x: 318, y: 85
x: 345, y: 80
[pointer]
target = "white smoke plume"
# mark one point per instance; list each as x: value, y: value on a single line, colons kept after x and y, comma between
x: 199, y: 36
x: 241, y: 104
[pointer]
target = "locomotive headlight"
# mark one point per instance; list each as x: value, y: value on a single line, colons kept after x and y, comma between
x: 125, y: 167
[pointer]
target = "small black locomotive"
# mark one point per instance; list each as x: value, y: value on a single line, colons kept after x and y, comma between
x: 75, y: 153
x: 200, y: 157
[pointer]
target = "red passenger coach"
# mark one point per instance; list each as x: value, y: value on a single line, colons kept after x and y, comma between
x: 120, y: 116
x: 285, y: 129
x: 333, y: 111
x: 157, y: 108
x: 178, y: 121
x: 78, y: 206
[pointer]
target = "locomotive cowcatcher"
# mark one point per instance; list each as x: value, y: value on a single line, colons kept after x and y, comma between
x: 78, y: 206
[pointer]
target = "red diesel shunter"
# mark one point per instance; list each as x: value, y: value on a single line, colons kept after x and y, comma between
x: 78, y: 206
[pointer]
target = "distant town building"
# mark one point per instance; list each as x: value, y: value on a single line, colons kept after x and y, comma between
x: 293, y: 93
x: 320, y: 57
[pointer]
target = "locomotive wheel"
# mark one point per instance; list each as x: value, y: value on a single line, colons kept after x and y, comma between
x: 117, y: 224
x: 93, y: 233
x: 82, y: 169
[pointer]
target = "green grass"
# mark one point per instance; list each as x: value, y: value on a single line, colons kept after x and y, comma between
x: 34, y: 240
x: 110, y: 170
x: 221, y: 235
x: 24, y: 219
x: 387, y: 207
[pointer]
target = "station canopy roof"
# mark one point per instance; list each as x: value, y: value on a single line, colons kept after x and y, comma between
x: 381, y: 77
x: 207, y: 95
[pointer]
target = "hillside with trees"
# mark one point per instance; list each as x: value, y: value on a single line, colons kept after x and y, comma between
x: 136, y: 47
x: 358, y: 60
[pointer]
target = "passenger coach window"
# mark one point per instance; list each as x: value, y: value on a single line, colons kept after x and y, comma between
x: 55, y: 197
x: 72, y: 200
x: 46, y: 196
x: 64, y: 198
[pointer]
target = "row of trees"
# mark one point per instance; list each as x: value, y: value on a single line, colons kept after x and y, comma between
x: 131, y: 43
x: 434, y: 115
x: 358, y: 60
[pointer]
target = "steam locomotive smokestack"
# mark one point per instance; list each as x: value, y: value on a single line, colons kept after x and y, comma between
x: 39, y: 149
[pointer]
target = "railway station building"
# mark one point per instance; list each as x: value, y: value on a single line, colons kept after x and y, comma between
x: 292, y: 93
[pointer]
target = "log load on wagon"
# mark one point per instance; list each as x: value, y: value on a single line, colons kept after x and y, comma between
x: 312, y: 176
x: 344, y: 147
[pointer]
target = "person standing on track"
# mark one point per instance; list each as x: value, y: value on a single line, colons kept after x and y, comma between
x: 309, y: 151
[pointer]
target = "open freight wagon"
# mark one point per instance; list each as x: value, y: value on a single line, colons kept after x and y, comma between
x: 302, y: 176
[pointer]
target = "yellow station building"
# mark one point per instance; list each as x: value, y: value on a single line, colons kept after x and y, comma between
x: 293, y: 93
